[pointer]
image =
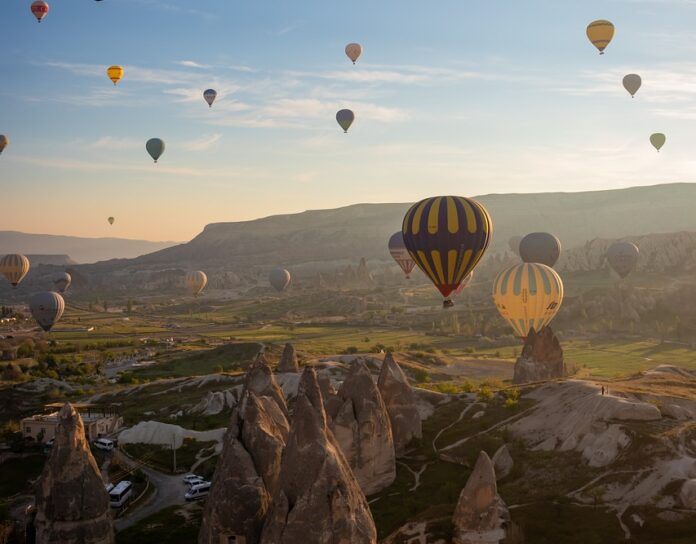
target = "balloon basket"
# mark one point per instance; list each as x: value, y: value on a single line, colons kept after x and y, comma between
x: 447, y: 303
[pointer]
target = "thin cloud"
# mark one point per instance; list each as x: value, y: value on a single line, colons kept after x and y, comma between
x: 191, y: 64
x: 202, y: 144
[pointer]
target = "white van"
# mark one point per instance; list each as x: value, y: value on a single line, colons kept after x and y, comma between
x: 197, y: 491
x: 104, y: 444
x: 119, y: 495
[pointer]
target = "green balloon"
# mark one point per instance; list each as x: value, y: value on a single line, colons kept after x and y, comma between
x: 658, y: 140
x: 155, y: 147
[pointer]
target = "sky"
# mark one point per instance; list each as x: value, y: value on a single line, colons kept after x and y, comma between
x: 451, y: 97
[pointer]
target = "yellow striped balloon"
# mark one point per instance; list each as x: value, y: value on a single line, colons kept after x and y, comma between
x: 115, y: 73
x: 196, y: 282
x: 446, y: 236
x: 14, y: 267
x: 600, y: 33
x: 528, y: 295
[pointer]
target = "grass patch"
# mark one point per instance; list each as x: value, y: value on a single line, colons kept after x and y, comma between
x: 173, y: 525
x: 16, y: 473
x: 230, y: 357
x: 161, y: 457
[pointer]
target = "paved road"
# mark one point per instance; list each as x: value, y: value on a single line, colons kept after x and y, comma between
x: 169, y: 490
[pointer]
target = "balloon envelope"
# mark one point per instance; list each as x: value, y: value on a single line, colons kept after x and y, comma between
x: 39, y: 9
x: 353, y: 51
x: 623, y: 257
x: 600, y: 33
x: 155, y: 147
x: 14, y: 267
x: 447, y: 236
x: 528, y: 295
x: 47, y: 308
x: 209, y: 95
x: 196, y: 282
x: 345, y: 118
x: 279, y: 279
x: 4, y: 140
x: 658, y: 140
x: 115, y: 73
x: 632, y: 83
x: 111, y: 220
x: 62, y: 281
x: 540, y: 247
x: 400, y: 254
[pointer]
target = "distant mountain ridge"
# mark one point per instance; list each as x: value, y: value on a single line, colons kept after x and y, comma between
x: 81, y: 250
x: 362, y: 230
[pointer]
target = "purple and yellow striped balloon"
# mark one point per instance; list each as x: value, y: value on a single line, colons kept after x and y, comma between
x: 447, y: 236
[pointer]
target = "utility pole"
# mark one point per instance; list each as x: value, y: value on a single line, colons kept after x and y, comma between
x: 174, y: 456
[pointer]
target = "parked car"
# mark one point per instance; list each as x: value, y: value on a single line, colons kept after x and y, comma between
x: 197, y: 491
x: 192, y: 478
x: 104, y: 444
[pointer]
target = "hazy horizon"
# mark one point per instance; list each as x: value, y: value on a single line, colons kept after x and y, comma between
x: 499, y: 108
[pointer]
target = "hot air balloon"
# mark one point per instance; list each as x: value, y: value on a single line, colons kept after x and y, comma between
x: 279, y: 279
x: 399, y: 253
x: 47, y: 308
x: 514, y: 244
x: 111, y: 220
x: 632, y: 83
x: 39, y: 9
x: 528, y: 295
x: 447, y: 236
x: 353, y: 50
x: 115, y: 73
x: 209, y: 95
x: 622, y: 257
x: 658, y: 140
x: 62, y: 281
x: 155, y: 147
x: 196, y: 282
x: 14, y: 267
x: 540, y: 247
x: 345, y: 118
x: 466, y: 281
x: 600, y: 33
x: 4, y: 140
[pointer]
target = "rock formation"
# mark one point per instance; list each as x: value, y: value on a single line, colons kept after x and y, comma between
x: 72, y: 505
x: 318, y: 499
x: 249, y: 466
x: 260, y: 380
x: 401, y: 404
x: 541, y: 359
x: 502, y: 461
x: 574, y: 415
x: 361, y: 425
x: 288, y: 361
x: 687, y: 494
x: 481, y: 516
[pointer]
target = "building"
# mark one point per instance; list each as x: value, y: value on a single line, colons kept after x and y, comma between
x: 98, y: 420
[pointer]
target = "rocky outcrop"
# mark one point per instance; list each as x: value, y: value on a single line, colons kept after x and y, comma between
x: 361, y: 425
x: 401, y: 404
x: 288, y: 360
x: 238, y: 499
x: 247, y: 474
x: 481, y: 516
x: 687, y: 494
x: 541, y: 359
x: 574, y: 415
x: 318, y: 499
x: 72, y: 505
x: 502, y: 461
x: 260, y: 380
